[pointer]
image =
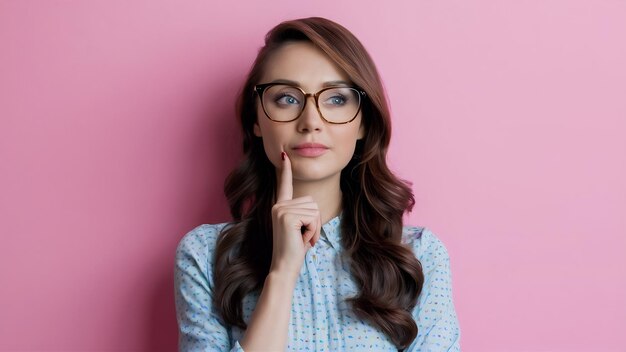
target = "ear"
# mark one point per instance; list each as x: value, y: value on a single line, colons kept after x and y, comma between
x: 257, y: 130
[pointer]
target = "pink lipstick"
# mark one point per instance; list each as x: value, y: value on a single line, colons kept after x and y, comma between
x: 310, y: 150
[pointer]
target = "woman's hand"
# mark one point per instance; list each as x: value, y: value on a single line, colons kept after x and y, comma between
x: 296, y: 227
x: 296, y: 224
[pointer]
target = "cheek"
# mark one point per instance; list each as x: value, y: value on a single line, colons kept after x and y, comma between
x: 348, y: 143
x: 272, y: 141
x: 272, y: 155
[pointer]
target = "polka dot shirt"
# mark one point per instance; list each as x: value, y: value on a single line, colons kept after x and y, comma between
x: 321, y: 320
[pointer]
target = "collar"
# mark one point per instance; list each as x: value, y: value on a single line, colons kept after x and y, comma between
x: 331, y: 232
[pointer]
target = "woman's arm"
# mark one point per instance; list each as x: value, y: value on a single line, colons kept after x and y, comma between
x: 200, y: 326
x: 296, y: 226
x: 269, y: 325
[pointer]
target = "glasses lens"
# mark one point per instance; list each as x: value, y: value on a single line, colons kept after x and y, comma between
x: 339, y: 105
x: 283, y: 102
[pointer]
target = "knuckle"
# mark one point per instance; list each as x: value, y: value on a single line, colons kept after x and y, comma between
x: 278, y: 214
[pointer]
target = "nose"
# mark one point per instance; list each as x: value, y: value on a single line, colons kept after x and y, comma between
x: 310, y: 120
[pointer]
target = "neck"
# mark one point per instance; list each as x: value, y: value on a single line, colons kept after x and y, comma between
x: 326, y: 193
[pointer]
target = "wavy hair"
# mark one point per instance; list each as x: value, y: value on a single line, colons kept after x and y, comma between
x: 387, y: 273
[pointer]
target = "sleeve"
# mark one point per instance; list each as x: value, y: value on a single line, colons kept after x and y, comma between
x: 434, y: 313
x: 200, y: 326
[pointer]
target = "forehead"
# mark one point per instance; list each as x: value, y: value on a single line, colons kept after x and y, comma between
x: 304, y: 63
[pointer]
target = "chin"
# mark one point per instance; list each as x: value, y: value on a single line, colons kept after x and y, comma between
x: 313, y: 169
x: 312, y: 175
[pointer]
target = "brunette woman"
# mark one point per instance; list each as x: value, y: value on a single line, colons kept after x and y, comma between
x: 316, y: 257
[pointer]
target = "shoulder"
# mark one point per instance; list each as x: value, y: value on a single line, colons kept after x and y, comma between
x: 199, y: 243
x: 426, y: 246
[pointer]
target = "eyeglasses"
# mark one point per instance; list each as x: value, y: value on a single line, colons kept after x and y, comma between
x: 284, y: 103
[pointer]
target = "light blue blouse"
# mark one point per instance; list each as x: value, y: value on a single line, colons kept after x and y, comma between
x: 321, y: 320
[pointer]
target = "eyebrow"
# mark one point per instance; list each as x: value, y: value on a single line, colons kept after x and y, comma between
x: 325, y: 84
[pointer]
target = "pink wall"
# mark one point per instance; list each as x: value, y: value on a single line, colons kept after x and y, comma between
x: 116, y: 131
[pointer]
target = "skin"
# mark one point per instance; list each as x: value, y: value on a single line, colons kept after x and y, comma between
x: 308, y: 192
x: 319, y: 177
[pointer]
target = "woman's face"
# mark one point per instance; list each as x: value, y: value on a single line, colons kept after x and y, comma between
x: 310, y: 69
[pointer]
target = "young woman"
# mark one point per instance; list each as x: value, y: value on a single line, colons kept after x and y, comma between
x: 316, y: 257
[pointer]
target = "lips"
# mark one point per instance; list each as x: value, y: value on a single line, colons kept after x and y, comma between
x: 310, y: 149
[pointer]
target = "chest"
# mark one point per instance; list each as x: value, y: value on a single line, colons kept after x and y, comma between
x: 321, y: 318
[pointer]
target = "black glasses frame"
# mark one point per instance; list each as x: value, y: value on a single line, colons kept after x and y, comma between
x: 259, y: 89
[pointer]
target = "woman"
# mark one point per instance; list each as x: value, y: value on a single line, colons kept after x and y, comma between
x: 316, y: 257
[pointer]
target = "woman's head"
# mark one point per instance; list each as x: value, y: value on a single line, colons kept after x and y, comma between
x: 313, y: 52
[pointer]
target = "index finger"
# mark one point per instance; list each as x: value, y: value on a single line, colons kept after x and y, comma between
x: 285, y: 182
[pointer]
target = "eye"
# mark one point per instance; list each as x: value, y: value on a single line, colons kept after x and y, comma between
x: 336, y: 99
x: 286, y: 99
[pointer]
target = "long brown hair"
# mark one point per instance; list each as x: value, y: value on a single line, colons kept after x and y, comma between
x: 388, y: 275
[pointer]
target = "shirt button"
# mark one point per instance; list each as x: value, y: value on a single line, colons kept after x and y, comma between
x: 313, y: 255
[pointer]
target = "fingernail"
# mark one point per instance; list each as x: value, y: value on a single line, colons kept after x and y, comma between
x: 282, y: 155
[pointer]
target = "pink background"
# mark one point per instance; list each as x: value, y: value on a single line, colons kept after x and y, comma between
x: 117, y: 129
